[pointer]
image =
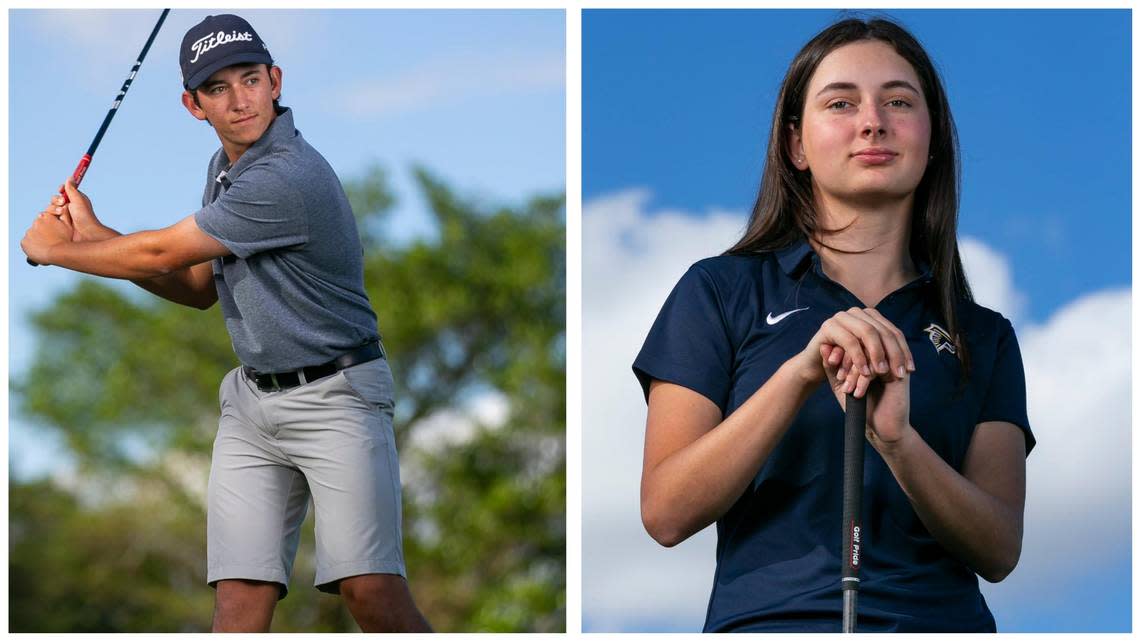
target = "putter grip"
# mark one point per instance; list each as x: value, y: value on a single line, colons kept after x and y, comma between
x: 853, y: 439
x: 855, y: 424
x: 76, y: 177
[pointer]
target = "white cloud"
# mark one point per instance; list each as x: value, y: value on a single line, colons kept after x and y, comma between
x: 453, y: 79
x: 1078, y: 505
x: 631, y: 260
x: 645, y: 587
x: 991, y: 278
x: 1078, y: 377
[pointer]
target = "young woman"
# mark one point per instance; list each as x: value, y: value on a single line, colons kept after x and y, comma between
x: 848, y: 279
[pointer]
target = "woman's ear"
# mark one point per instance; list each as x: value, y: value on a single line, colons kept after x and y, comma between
x: 796, y: 147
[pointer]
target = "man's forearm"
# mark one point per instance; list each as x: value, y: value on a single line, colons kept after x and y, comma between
x: 184, y: 286
x: 137, y: 256
x: 978, y: 528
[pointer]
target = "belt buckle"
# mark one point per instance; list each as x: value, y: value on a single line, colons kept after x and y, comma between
x: 276, y: 385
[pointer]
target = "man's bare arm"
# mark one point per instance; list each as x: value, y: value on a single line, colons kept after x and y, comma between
x: 192, y: 286
x: 141, y: 256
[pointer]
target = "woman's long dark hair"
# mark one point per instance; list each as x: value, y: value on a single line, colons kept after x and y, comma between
x: 785, y: 208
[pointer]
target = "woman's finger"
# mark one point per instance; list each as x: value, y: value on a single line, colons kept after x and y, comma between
x: 835, y: 355
x: 848, y: 368
x: 897, y: 333
x: 838, y: 331
x: 867, y: 337
x: 894, y: 355
x: 825, y: 351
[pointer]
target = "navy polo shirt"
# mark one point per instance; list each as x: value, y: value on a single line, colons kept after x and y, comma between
x: 779, y: 546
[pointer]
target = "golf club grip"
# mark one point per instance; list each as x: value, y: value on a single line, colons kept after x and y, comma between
x: 76, y: 177
x: 855, y: 426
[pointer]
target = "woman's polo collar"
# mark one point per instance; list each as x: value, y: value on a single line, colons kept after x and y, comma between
x: 795, y: 257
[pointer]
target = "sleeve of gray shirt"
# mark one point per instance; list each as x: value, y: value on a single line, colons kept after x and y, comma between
x: 260, y: 211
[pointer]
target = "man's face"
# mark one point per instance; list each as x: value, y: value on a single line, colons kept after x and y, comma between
x: 238, y: 102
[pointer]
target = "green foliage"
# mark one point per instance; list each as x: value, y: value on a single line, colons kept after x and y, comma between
x: 477, y: 312
x: 125, y: 566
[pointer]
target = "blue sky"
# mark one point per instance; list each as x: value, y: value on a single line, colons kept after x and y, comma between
x: 680, y: 102
x: 676, y: 110
x: 476, y: 96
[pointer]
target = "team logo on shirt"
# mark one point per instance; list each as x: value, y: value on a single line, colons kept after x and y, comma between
x: 941, y: 339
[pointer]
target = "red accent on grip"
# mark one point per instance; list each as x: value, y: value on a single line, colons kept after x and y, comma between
x: 77, y: 175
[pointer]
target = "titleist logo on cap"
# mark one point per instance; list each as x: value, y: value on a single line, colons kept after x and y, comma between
x: 202, y: 53
x: 203, y: 45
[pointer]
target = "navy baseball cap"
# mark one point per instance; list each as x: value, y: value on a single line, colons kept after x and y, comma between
x: 216, y: 43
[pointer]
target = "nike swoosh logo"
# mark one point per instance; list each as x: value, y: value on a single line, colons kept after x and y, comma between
x: 772, y: 320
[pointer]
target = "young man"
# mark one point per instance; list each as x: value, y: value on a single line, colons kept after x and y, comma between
x: 309, y: 412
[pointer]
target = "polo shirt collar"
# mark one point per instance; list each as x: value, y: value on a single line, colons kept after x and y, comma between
x: 793, y: 258
x: 280, y: 130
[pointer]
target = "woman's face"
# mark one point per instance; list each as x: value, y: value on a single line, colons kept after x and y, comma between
x: 865, y: 131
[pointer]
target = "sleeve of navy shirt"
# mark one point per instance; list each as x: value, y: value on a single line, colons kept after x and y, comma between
x: 688, y: 344
x: 1005, y: 398
x: 260, y: 211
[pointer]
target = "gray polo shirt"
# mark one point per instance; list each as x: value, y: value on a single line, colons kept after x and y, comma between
x: 292, y: 293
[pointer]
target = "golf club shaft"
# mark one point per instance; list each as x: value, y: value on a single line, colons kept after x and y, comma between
x: 850, y: 606
x: 85, y: 161
x: 853, y: 436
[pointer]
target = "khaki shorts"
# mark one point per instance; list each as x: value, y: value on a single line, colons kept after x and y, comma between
x: 330, y: 439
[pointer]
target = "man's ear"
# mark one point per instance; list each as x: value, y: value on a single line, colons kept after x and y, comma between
x: 796, y: 147
x: 275, y: 81
x: 192, y: 107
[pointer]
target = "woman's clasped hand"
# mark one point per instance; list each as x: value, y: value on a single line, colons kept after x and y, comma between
x: 860, y: 352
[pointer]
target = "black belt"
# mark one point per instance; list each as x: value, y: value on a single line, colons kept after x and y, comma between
x: 272, y: 382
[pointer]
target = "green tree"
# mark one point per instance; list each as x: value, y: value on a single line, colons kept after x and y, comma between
x: 472, y: 315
